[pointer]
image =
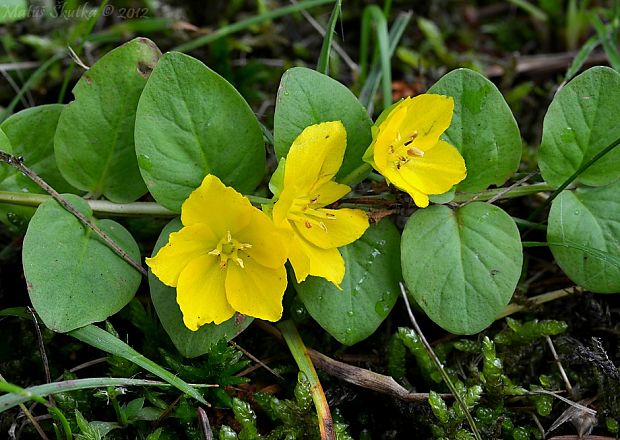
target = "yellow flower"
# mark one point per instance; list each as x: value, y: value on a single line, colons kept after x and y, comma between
x: 227, y: 258
x: 407, y: 151
x: 306, y: 188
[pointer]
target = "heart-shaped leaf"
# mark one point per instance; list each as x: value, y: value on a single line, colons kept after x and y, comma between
x: 73, y: 277
x: 483, y: 129
x: 461, y: 266
x: 94, y: 140
x: 581, y: 121
x: 584, y: 236
x: 191, y: 122
x: 369, y: 289
x: 307, y: 97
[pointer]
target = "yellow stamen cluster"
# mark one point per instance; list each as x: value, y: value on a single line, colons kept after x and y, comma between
x: 228, y: 249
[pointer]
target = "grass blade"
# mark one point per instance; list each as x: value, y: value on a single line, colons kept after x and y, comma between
x: 581, y: 57
x: 107, y: 342
x: 611, y: 50
x: 373, y: 16
x: 323, y: 64
x: 244, y: 24
x: 374, y: 77
x: 17, y: 395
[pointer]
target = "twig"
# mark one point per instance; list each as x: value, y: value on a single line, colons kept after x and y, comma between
x: 302, y: 358
x: 575, y: 405
x: 18, y: 164
x: 255, y: 359
x: 205, y: 427
x: 355, y: 375
x: 569, y: 387
x: 366, y: 378
x: 511, y: 187
x: 46, y: 365
x: 439, y: 365
x: 539, y: 299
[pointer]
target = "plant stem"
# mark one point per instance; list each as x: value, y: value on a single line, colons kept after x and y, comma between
x: 152, y: 209
x: 302, y: 358
x: 491, y: 193
x: 17, y: 163
x: 357, y: 174
x: 576, y: 174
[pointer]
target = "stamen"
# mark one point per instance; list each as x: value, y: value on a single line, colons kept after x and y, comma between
x: 413, y: 151
x: 215, y: 252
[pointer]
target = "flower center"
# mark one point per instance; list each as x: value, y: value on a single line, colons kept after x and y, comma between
x: 301, y: 211
x: 228, y: 249
x: 401, y: 151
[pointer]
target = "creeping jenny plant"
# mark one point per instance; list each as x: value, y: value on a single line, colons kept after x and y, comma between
x: 228, y: 258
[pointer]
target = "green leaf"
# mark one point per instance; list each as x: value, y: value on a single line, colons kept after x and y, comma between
x: 582, y: 121
x: 584, y: 219
x: 369, y: 289
x: 94, y: 140
x: 461, y: 266
x: 31, y: 133
x: 483, y: 129
x: 307, y: 97
x: 189, y: 343
x: 109, y: 343
x: 73, y: 277
x: 191, y: 122
x: 13, y: 10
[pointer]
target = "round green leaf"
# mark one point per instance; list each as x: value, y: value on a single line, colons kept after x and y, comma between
x: 73, y: 277
x: 94, y: 140
x: 584, y: 236
x: 189, y: 343
x: 483, y: 129
x: 307, y: 97
x: 191, y: 122
x: 461, y: 266
x: 31, y: 132
x: 581, y: 121
x: 369, y: 289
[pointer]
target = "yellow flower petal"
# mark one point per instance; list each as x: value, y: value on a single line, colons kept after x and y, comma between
x: 308, y: 259
x: 427, y: 115
x: 201, y: 293
x: 315, y: 156
x: 256, y: 290
x: 339, y: 228
x: 441, y: 168
x: 269, y: 245
x: 328, y: 193
x: 220, y: 206
x: 282, y: 207
x: 182, y: 247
